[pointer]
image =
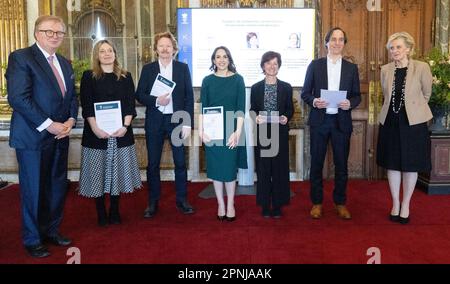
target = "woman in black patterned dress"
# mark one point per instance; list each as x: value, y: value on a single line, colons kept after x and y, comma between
x: 108, y: 160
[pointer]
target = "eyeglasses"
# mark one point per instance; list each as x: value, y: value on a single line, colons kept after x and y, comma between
x: 50, y: 33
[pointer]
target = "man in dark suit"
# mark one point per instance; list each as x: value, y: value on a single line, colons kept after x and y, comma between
x: 41, y: 91
x: 161, y: 120
x: 331, y: 73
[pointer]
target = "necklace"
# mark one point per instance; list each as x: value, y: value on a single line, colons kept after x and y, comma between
x: 402, y: 94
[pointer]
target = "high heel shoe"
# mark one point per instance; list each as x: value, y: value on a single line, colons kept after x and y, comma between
x: 230, y: 219
x: 221, y: 218
x: 402, y: 220
x: 394, y: 218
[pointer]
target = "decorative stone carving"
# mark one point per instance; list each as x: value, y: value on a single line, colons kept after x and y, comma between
x: 405, y: 5
x: 350, y: 5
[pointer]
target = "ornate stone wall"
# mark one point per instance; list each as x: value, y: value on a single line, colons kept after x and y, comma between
x: 13, y: 35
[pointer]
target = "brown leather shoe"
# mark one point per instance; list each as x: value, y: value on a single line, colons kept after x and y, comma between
x: 316, y: 211
x: 343, y: 212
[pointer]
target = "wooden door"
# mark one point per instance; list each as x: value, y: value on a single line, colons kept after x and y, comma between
x: 368, y: 25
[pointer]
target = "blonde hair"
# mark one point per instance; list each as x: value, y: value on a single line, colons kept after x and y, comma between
x: 168, y: 35
x: 97, y: 71
x: 407, y: 38
x: 47, y: 18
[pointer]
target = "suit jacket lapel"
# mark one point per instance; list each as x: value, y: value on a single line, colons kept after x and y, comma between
x: 343, y: 70
x: 324, y: 71
x: 42, y: 61
x: 175, y: 72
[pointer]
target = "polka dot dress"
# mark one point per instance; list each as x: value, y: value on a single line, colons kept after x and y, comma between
x: 114, y: 170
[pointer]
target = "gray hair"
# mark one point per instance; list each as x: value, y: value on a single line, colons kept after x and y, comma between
x: 407, y: 38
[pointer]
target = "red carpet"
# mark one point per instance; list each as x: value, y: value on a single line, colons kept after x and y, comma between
x: 174, y: 238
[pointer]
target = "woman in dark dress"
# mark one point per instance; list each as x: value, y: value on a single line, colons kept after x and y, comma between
x: 108, y: 161
x: 224, y: 88
x: 272, y: 98
x: 404, y: 146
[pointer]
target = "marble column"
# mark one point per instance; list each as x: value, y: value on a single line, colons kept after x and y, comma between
x: 442, y: 20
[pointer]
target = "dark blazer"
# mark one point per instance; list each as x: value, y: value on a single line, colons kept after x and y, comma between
x: 35, y: 96
x: 317, y: 78
x: 284, y: 99
x: 182, y: 96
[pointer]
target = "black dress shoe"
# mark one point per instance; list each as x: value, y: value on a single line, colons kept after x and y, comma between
x: 38, y: 251
x: 394, y: 218
x: 276, y: 213
x: 185, y: 207
x: 403, y: 221
x: 266, y: 212
x: 221, y: 218
x: 151, y: 210
x: 58, y: 240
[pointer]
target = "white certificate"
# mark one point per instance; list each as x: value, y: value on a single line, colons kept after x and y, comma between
x: 108, y: 116
x: 162, y: 86
x: 270, y: 118
x: 333, y: 97
x: 213, y: 122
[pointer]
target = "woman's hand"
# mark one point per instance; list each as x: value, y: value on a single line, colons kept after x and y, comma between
x: 283, y: 120
x: 120, y: 132
x: 204, y: 137
x: 260, y: 119
x: 234, y: 139
x: 100, y: 133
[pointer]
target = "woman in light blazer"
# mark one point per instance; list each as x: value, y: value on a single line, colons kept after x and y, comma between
x: 403, y: 141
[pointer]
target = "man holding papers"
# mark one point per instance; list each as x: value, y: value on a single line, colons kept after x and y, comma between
x: 331, y: 118
x: 165, y: 88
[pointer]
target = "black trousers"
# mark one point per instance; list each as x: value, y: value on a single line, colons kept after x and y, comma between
x: 155, y: 137
x: 340, y: 142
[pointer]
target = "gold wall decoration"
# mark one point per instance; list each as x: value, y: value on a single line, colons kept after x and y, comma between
x: 247, y: 4
x: 13, y: 35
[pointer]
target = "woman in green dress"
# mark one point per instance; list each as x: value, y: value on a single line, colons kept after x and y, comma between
x: 224, y: 88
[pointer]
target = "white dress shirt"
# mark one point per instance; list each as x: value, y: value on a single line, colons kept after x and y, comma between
x: 334, y: 78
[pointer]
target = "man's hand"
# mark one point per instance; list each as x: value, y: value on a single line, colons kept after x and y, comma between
x: 345, y: 104
x: 319, y: 103
x: 70, y: 123
x: 283, y: 120
x: 56, y: 128
x: 163, y: 100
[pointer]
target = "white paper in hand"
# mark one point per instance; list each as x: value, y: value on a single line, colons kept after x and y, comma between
x: 213, y: 122
x: 108, y: 116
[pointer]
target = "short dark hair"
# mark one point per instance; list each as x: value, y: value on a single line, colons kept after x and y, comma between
x: 269, y: 55
x: 330, y: 32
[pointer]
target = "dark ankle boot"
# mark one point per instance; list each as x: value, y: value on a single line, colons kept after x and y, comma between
x: 266, y: 212
x: 114, y: 215
x: 101, y: 211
